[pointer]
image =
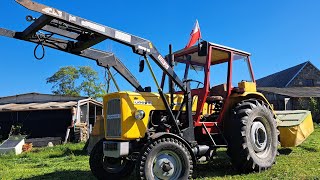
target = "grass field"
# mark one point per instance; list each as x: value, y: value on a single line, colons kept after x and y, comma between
x: 70, y: 162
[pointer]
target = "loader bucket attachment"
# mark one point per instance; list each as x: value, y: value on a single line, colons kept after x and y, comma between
x: 294, y: 126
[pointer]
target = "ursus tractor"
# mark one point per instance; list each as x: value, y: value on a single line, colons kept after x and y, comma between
x: 206, y: 99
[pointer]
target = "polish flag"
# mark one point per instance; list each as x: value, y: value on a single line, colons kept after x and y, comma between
x: 195, y: 35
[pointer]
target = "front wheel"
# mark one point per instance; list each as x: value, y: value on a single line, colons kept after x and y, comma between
x: 108, y: 167
x: 165, y: 158
x: 252, y: 139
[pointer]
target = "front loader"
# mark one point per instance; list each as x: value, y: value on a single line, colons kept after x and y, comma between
x: 164, y: 135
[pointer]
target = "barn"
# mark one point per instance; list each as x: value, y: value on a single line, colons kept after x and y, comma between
x: 66, y: 118
x: 297, y: 87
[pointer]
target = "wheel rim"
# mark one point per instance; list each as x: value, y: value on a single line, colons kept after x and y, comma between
x: 167, y: 165
x: 113, y: 165
x: 259, y: 139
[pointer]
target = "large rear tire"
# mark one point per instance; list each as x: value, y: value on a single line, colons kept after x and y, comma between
x: 252, y: 136
x: 165, y: 158
x: 107, y: 167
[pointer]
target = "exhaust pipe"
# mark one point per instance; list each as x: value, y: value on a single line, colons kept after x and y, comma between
x: 200, y: 150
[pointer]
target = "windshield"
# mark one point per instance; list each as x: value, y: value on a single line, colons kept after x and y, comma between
x: 241, y: 70
x: 194, y: 73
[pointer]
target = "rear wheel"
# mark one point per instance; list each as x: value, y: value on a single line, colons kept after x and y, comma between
x: 108, y: 167
x: 252, y: 137
x: 165, y: 158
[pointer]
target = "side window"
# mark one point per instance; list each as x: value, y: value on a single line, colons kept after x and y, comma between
x: 218, y: 74
x: 218, y: 79
x: 240, y: 70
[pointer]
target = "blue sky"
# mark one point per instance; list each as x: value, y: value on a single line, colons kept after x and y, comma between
x: 279, y: 34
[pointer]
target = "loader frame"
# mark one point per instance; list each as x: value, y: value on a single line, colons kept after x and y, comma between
x: 79, y: 37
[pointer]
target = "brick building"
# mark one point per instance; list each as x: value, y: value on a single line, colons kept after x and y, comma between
x: 294, y: 88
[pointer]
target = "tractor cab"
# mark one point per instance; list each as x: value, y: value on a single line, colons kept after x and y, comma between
x: 215, y: 72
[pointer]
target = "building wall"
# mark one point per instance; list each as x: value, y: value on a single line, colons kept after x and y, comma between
x: 311, y: 104
x: 309, y: 76
x: 276, y: 100
x: 37, y: 124
x: 281, y: 102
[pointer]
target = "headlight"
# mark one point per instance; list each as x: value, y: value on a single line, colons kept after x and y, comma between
x: 139, y: 114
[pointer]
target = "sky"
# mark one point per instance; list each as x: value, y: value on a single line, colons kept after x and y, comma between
x: 278, y: 34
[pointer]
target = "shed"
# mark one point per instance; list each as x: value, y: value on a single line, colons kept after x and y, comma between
x: 290, y: 98
x: 294, y: 88
x: 301, y: 75
x: 47, y: 115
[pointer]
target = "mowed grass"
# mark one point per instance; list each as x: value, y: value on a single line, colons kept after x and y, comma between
x: 70, y: 162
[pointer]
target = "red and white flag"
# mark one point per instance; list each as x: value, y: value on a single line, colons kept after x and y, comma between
x: 195, y: 35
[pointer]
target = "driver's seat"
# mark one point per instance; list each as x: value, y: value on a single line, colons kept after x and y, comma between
x: 217, y: 93
x: 212, y: 99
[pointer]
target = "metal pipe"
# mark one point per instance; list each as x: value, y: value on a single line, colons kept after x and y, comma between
x: 171, y: 90
x: 152, y: 73
x: 114, y: 81
x: 200, y: 150
x: 164, y: 100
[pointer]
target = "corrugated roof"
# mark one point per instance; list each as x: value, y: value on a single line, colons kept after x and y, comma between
x: 293, y: 91
x: 37, y: 98
x: 38, y: 106
x: 36, y: 101
x: 282, y: 78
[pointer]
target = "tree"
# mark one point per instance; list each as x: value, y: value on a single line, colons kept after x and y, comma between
x: 64, y: 81
x: 76, y: 81
x: 90, y: 85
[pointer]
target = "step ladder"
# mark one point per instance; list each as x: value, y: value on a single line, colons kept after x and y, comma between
x: 214, y: 136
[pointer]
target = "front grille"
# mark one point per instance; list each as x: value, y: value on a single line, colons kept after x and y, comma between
x: 113, y: 118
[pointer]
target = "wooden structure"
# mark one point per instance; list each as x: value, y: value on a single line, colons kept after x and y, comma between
x: 46, y: 115
x: 294, y: 88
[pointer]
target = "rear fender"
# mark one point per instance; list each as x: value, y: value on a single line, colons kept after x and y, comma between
x: 236, y: 98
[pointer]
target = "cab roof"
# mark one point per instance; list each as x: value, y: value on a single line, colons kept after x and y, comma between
x: 219, y: 54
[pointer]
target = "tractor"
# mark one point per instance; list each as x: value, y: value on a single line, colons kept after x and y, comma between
x: 141, y: 133
x: 196, y: 109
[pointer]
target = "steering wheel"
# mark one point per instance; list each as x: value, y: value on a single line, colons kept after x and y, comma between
x: 192, y: 80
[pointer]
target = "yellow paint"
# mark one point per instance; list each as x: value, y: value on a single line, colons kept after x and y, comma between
x: 291, y: 136
x: 250, y: 91
x: 132, y: 128
x: 235, y: 98
x: 98, y: 128
x: 248, y: 86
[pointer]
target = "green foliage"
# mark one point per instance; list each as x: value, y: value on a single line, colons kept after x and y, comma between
x: 64, y: 81
x: 76, y: 81
x: 70, y: 162
x: 90, y: 85
x: 16, y: 130
x: 313, y: 105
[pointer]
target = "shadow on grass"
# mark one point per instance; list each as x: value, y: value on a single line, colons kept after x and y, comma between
x: 218, y: 167
x: 285, y: 151
x: 64, y: 175
x: 309, y: 149
x: 68, y: 152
